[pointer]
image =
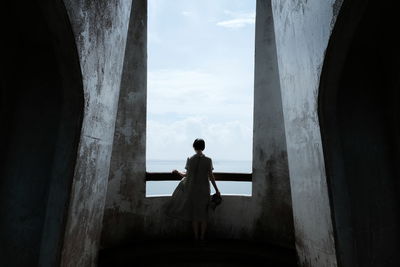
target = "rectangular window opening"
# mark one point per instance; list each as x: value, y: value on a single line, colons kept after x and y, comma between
x: 200, y: 84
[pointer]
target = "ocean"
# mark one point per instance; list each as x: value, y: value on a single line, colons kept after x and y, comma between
x: 166, y: 188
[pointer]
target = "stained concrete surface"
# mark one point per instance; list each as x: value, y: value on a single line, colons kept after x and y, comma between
x: 62, y: 63
x: 272, y: 203
x: 100, y: 29
x: 302, y: 31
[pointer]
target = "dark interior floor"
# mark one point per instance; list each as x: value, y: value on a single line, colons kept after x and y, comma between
x: 188, y: 253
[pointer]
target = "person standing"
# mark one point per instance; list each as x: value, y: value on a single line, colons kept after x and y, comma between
x: 190, y: 200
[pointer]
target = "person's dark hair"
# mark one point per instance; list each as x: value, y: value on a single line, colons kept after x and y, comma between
x: 199, y: 144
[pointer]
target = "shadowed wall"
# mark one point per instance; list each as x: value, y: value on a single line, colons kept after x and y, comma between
x: 359, y: 114
x: 41, y: 113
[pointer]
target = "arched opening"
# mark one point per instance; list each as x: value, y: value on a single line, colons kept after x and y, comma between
x: 359, y: 117
x: 41, y: 114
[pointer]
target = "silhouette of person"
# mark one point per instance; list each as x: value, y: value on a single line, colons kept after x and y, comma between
x: 191, y: 199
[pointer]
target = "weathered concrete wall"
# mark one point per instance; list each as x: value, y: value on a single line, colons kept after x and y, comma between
x: 100, y: 30
x: 126, y: 188
x: 41, y: 114
x: 359, y: 117
x: 302, y: 32
x: 267, y: 216
x: 271, y: 189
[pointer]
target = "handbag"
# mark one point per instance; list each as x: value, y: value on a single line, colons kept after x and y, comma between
x: 215, y: 201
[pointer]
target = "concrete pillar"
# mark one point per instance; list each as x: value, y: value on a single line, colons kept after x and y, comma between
x: 126, y: 188
x: 100, y: 30
x: 271, y: 188
x: 302, y: 31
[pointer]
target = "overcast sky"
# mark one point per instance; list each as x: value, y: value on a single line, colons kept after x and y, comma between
x: 200, y: 78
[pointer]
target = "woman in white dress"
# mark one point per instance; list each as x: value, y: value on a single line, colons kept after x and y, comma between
x: 190, y: 200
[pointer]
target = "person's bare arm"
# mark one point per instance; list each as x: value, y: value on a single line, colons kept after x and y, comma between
x: 212, y: 179
x: 181, y: 174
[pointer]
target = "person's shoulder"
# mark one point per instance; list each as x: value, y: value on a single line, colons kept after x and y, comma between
x: 208, y: 158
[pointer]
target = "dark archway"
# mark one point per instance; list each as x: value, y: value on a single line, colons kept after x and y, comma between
x: 359, y: 117
x: 41, y: 119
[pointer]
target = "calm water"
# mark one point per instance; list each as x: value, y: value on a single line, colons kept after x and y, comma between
x: 157, y: 188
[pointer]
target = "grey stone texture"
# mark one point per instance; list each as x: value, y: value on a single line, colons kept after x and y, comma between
x: 302, y: 31
x: 100, y: 29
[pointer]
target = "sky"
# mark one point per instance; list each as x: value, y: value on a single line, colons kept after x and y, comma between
x: 200, y: 78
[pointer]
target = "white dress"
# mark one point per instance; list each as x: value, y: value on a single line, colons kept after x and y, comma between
x: 191, y: 198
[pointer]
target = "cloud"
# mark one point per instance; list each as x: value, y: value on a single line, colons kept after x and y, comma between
x: 200, y: 79
x: 198, y: 92
x: 238, y: 20
x: 186, y: 104
x: 229, y: 140
x: 186, y: 13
